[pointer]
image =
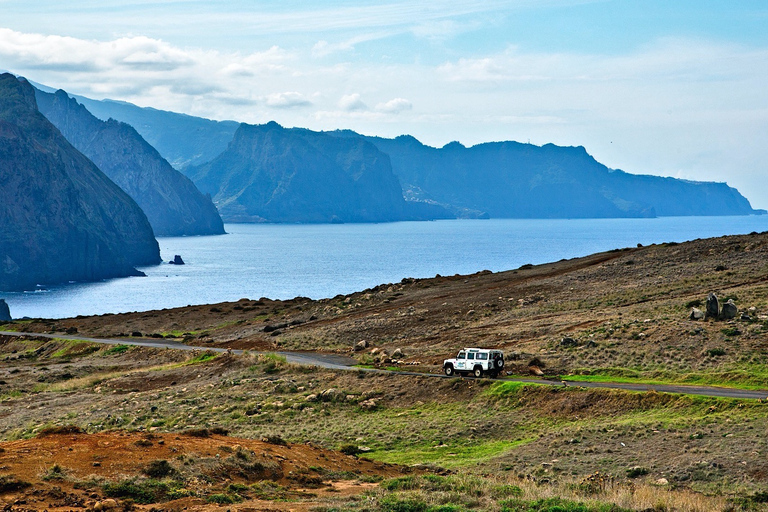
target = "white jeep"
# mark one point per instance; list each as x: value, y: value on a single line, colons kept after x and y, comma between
x: 475, y: 361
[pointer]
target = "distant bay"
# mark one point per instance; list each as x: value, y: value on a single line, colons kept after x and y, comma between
x: 282, y: 261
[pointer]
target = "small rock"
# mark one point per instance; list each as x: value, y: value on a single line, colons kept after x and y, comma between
x: 312, y: 398
x: 662, y: 481
x: 745, y: 317
x: 177, y: 260
x: 535, y: 370
x: 361, y: 345
x: 568, y: 342
x: 398, y: 353
x: 696, y: 314
x: 729, y: 310
x: 368, y: 405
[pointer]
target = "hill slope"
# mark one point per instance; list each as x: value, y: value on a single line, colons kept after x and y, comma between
x: 61, y: 219
x: 170, y: 200
x: 274, y: 174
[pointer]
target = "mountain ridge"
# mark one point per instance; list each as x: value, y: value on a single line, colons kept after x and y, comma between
x: 440, y: 180
x: 172, y: 203
x: 61, y: 218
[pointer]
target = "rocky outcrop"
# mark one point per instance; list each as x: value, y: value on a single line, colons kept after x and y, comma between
x: 172, y: 203
x: 5, y: 311
x: 273, y: 174
x: 713, y: 307
x: 61, y: 218
x: 729, y: 311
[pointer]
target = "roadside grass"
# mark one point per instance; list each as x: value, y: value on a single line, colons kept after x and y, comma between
x: 747, y: 377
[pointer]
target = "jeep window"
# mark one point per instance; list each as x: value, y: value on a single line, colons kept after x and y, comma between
x: 471, y: 355
x: 460, y: 356
x: 482, y: 356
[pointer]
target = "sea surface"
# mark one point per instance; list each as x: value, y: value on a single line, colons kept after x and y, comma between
x: 281, y: 261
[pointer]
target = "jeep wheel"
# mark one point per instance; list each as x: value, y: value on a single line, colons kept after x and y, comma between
x: 478, y: 372
x: 448, y: 370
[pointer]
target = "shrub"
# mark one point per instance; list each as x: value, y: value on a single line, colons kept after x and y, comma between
x: 223, y: 499
x: 636, y: 471
x: 9, y: 483
x: 158, y: 469
x: 275, y: 439
x: 715, y: 352
x: 392, y: 504
x: 60, y: 431
x: 142, y: 492
x: 403, y: 483
x: 693, y: 304
x: 349, y: 449
x: 55, y: 473
x: 116, y: 349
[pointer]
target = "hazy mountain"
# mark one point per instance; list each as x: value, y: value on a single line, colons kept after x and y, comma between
x: 181, y: 139
x: 172, y: 203
x: 61, y: 218
x: 272, y: 174
x: 510, y: 179
x: 498, y: 179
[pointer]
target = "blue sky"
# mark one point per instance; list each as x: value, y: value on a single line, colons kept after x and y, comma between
x: 654, y: 87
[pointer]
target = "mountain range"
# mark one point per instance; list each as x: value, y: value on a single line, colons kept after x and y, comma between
x: 61, y: 218
x: 273, y: 174
x: 172, y: 203
x: 497, y: 179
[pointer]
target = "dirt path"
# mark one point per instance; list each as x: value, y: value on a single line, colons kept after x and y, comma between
x: 338, y: 362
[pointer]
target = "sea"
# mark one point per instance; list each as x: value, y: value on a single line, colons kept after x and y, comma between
x: 280, y: 261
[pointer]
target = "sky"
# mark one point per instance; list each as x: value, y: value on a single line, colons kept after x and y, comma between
x: 650, y: 87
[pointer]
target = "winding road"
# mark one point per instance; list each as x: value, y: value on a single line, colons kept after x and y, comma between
x: 338, y: 362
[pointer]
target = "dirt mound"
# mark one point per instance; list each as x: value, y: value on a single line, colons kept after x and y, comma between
x: 65, y: 469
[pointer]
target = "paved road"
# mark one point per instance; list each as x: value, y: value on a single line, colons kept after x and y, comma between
x: 337, y: 362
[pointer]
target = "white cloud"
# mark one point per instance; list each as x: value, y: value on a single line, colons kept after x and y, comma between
x: 287, y: 100
x: 395, y: 106
x: 352, y: 102
x: 694, y: 107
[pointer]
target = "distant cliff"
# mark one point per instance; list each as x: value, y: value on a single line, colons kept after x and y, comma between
x: 182, y: 140
x: 497, y: 179
x: 272, y: 174
x: 61, y: 219
x: 172, y: 203
x: 514, y: 180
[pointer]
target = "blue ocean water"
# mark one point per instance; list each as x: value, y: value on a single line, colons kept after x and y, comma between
x: 323, y: 260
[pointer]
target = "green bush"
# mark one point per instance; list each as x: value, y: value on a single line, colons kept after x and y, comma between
x: 223, y: 499
x: 142, y: 492
x: 636, y: 471
x: 403, y: 483
x: 158, y: 469
x: 349, y: 449
x: 393, y: 504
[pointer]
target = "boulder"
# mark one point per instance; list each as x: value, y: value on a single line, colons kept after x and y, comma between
x: 713, y: 306
x: 177, y: 260
x: 361, y: 345
x: 5, y: 312
x: 729, y: 310
x: 696, y: 314
x: 398, y: 353
x: 368, y: 405
x: 568, y: 342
